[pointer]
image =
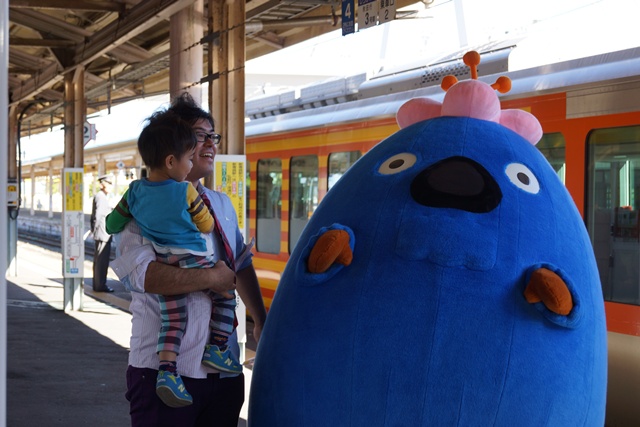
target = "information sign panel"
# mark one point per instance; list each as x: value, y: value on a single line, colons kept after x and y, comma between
x: 72, y: 223
x: 348, y: 17
x: 89, y: 132
x: 367, y: 13
x: 387, y: 11
x: 12, y: 193
x: 229, y: 177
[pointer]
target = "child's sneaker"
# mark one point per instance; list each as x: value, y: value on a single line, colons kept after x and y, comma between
x: 222, y: 360
x: 171, y: 390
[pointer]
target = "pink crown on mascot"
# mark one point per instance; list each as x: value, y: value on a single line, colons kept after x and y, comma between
x: 472, y: 98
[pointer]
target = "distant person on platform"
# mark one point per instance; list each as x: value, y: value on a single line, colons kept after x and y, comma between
x: 101, y: 238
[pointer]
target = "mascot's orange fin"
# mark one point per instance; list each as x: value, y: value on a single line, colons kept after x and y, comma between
x: 548, y: 287
x: 332, y: 246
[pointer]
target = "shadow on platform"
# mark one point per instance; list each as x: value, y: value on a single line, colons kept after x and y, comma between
x: 61, y: 372
x: 68, y: 369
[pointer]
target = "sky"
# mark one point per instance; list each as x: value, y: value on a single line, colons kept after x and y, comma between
x: 556, y: 30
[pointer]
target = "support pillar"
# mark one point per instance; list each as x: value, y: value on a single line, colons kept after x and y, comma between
x: 32, y: 194
x: 226, y: 93
x: 235, y: 99
x: 227, y: 64
x: 5, y: 138
x: 50, y: 189
x: 102, y: 167
x: 116, y: 183
x: 12, y: 176
x: 74, y: 116
x: 137, y: 161
x: 185, y: 59
x: 217, y: 65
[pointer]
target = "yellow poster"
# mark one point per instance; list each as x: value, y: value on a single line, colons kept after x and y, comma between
x: 12, y: 193
x: 229, y: 178
x: 73, y: 194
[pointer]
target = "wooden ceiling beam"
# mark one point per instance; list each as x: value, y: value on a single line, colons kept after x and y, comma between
x: 47, y: 77
x: 139, y: 18
x: 52, y: 95
x: 18, y: 41
x: 130, y: 53
x: 14, y: 70
x: 270, y: 39
x: 95, y: 5
x: 45, y: 24
x: 26, y: 60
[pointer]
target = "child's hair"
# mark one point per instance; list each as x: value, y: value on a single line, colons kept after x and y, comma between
x: 165, y: 134
x: 188, y: 109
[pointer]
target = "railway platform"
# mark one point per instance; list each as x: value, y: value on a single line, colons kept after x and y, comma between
x: 68, y: 369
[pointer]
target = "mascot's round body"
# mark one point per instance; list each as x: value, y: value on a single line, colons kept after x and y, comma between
x: 428, y: 324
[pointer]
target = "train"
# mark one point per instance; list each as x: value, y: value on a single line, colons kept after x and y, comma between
x: 299, y: 144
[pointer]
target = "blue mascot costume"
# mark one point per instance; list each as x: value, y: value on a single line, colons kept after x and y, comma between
x: 447, y: 279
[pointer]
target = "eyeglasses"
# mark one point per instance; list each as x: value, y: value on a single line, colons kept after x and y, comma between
x: 214, y: 137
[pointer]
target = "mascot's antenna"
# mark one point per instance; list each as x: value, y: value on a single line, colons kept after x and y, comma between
x: 472, y: 59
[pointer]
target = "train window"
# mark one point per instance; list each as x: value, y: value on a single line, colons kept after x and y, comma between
x: 303, y: 195
x: 338, y: 165
x: 613, y: 200
x: 268, y: 205
x: 552, y: 146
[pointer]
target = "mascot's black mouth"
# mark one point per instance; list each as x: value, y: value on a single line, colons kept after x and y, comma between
x: 457, y: 183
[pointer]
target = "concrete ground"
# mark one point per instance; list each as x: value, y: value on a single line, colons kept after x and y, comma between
x: 67, y: 369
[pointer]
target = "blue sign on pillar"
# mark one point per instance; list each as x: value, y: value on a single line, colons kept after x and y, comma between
x: 348, y: 17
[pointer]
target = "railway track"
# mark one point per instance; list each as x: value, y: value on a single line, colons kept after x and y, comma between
x: 54, y: 243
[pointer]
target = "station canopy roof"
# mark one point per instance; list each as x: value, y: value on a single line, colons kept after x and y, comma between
x: 124, y: 46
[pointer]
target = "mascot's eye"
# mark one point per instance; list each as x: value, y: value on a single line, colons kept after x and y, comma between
x: 522, y: 177
x: 397, y: 163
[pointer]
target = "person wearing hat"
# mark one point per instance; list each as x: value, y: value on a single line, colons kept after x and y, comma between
x: 101, y: 238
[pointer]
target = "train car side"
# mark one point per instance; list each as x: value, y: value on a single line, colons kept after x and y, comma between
x: 591, y: 122
x: 289, y: 179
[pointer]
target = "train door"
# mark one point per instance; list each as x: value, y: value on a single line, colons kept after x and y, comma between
x: 339, y: 163
x: 613, y: 200
x: 303, y: 194
x: 268, y: 205
x: 553, y: 147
